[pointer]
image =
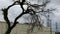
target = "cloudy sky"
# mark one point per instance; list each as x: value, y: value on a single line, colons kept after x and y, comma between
x: 16, y: 10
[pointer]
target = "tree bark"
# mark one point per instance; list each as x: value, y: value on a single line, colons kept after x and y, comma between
x: 8, y: 31
x: 14, y: 24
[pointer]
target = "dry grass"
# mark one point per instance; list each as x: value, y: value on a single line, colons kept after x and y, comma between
x: 22, y: 29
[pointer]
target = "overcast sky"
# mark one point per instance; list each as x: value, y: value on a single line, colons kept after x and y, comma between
x: 16, y: 10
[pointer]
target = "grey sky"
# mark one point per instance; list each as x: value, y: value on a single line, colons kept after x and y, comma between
x: 15, y: 11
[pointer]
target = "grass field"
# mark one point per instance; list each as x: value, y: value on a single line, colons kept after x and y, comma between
x: 22, y: 29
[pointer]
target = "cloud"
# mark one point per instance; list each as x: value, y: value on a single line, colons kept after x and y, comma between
x: 5, y: 3
x: 16, y: 10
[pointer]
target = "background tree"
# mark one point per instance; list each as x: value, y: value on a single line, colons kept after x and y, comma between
x: 31, y: 9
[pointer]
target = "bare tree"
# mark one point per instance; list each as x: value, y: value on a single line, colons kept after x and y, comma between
x: 36, y: 19
x: 30, y: 10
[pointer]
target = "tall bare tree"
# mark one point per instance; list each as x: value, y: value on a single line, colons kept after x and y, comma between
x: 31, y: 9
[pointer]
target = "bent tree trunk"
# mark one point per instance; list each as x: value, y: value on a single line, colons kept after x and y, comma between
x: 5, y: 14
x: 14, y: 24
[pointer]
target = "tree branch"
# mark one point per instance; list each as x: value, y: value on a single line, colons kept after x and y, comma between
x: 5, y: 13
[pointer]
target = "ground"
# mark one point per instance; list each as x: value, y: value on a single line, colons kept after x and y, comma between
x: 22, y: 29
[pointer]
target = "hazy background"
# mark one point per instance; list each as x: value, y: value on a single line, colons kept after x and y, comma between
x: 16, y: 10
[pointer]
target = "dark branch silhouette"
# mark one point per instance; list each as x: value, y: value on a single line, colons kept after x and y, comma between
x: 5, y: 13
x: 35, y: 18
